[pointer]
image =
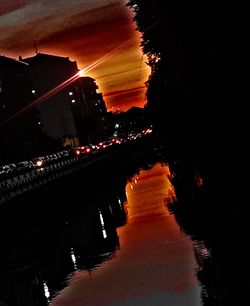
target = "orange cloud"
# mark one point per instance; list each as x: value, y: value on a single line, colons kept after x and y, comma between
x: 85, y: 31
x: 129, y: 98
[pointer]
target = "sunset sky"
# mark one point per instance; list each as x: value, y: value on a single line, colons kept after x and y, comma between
x: 84, y: 30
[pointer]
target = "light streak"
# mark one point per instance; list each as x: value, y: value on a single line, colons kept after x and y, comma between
x: 59, y: 87
x: 46, y: 290
x: 103, y: 58
x: 42, y: 98
x: 81, y: 73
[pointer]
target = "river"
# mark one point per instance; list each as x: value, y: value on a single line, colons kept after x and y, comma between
x: 119, y: 245
x: 155, y: 262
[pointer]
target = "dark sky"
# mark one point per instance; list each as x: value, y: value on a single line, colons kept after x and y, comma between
x: 84, y: 30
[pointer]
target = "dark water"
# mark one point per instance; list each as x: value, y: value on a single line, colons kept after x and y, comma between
x: 155, y: 263
x: 129, y: 243
x: 214, y: 213
x: 39, y: 253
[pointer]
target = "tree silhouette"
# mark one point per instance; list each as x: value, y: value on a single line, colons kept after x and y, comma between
x: 198, y: 95
x: 198, y: 89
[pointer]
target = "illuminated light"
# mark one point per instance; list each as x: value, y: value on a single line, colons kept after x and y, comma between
x: 148, y: 131
x: 73, y: 258
x: 46, y: 290
x: 39, y: 123
x: 117, y: 125
x: 110, y: 208
x: 39, y: 163
x: 101, y: 218
x: 104, y: 233
x: 73, y: 100
x: 33, y: 91
x: 71, y: 93
x: 120, y: 203
x: 72, y: 255
x: 78, y: 152
x: 88, y: 150
x: 81, y: 73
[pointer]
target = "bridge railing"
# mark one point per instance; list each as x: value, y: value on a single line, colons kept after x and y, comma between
x: 18, y: 183
x: 32, y: 178
x: 15, y: 183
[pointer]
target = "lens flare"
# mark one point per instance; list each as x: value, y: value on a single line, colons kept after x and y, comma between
x: 79, y: 74
x: 42, y: 98
x: 103, y: 58
x: 61, y: 86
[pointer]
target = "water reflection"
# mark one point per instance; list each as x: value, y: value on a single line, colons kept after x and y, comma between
x: 155, y: 264
x: 217, y: 222
x: 39, y: 257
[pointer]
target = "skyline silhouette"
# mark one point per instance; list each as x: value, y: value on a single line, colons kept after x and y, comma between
x: 84, y: 31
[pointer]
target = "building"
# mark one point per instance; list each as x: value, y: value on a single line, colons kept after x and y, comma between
x: 46, y: 105
x: 134, y: 119
x: 71, y: 110
x: 92, y: 119
x: 18, y: 134
x: 14, y: 86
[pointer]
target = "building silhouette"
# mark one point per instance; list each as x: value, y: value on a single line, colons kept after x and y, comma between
x: 46, y: 105
x: 76, y: 113
x: 19, y: 137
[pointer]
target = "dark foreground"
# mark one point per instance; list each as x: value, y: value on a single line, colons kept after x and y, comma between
x: 117, y: 235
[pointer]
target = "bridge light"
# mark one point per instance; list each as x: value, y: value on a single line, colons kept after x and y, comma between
x: 104, y: 233
x: 46, y: 290
x: 73, y: 257
x: 39, y: 163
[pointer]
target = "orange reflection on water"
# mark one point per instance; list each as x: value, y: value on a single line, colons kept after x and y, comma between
x: 155, y: 264
x: 148, y: 192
